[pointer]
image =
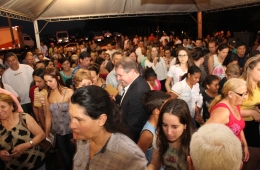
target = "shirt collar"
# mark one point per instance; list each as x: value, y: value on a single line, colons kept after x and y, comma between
x: 127, y: 87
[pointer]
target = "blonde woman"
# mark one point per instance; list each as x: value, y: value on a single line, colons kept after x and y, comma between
x: 82, y: 78
x: 225, y: 109
x: 250, y: 111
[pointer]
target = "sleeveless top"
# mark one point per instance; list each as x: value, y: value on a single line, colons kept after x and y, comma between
x: 234, y: 124
x: 219, y: 69
x: 32, y: 158
x: 149, y: 151
x: 60, y: 117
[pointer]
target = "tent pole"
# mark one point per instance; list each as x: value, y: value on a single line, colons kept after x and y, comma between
x: 43, y: 27
x: 199, y: 21
x: 37, y: 34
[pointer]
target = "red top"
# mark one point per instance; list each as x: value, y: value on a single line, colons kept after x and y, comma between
x: 31, y: 93
x: 234, y: 124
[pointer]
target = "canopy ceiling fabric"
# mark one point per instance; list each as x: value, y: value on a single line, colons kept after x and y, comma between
x: 55, y: 10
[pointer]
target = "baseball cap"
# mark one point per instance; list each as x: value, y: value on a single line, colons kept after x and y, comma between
x: 232, y: 41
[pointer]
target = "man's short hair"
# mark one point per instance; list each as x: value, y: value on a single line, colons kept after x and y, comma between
x: 116, y: 53
x: 239, y: 44
x: 214, y: 41
x: 127, y: 64
x: 84, y: 55
x: 10, y: 54
x: 215, y: 146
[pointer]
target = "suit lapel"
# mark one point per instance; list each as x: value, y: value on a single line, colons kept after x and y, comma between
x: 130, y: 91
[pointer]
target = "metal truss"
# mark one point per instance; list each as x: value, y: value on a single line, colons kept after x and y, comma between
x: 14, y: 15
x: 113, y: 16
x: 233, y: 7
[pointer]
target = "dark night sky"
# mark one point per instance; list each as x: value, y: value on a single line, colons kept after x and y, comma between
x: 51, y: 27
x: 245, y: 19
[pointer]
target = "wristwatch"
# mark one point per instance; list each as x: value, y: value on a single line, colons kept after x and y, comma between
x: 31, y: 142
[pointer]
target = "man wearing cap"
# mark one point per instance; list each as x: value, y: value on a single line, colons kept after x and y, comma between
x: 231, y: 44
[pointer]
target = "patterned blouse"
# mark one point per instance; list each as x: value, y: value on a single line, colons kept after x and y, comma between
x: 39, y: 97
x: 60, y: 118
x: 32, y: 158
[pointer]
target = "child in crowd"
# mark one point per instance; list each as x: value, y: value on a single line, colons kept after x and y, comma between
x: 232, y: 71
x: 152, y: 102
x: 211, y: 83
x: 151, y: 78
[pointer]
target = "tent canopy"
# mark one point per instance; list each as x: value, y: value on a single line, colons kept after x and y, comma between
x: 65, y: 10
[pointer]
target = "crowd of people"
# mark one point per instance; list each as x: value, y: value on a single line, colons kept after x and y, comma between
x: 148, y: 103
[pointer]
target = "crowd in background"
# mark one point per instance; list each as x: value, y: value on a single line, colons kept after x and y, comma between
x: 165, y: 87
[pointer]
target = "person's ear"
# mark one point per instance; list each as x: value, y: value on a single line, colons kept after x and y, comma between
x: 190, y: 164
x: 58, y: 77
x: 207, y: 86
x: 156, y: 111
x: 230, y: 94
x: 102, y: 119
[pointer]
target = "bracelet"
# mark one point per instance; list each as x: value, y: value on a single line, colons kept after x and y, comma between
x: 31, y: 142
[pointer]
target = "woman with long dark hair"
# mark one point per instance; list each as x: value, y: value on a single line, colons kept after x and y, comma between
x: 174, y: 131
x: 215, y: 62
x: 101, y: 140
x: 57, y: 116
x: 157, y: 63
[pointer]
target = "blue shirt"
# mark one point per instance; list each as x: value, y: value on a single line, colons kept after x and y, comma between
x: 73, y: 72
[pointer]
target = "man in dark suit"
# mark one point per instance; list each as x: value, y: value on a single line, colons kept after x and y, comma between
x: 133, y: 113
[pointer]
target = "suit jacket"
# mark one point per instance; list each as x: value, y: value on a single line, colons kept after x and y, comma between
x: 133, y: 113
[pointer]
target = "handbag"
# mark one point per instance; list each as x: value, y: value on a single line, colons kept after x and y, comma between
x: 44, y: 144
x: 53, y: 134
x: 110, y: 89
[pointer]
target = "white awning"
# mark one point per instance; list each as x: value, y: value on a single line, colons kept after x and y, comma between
x: 64, y: 10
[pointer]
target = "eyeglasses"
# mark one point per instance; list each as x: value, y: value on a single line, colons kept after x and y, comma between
x: 184, y: 55
x: 241, y: 94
